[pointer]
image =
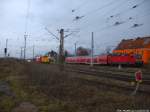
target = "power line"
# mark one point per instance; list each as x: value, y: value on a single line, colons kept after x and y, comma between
x: 100, y: 8
x: 108, y: 12
x: 51, y: 33
x: 122, y: 22
x: 80, y: 6
x: 116, y: 7
x: 112, y: 16
x: 129, y: 9
x: 95, y: 10
x: 128, y: 20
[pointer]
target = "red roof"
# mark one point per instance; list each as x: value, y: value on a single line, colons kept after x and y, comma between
x: 134, y: 43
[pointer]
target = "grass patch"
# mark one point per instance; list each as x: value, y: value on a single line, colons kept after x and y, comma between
x: 52, y: 90
x: 7, y: 104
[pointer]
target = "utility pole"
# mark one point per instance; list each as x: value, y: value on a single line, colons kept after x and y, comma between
x: 75, y: 45
x: 61, y: 46
x: 61, y: 49
x: 92, y: 48
x: 6, y: 43
x: 5, y: 50
x: 21, y: 54
x: 25, y: 42
x: 33, y: 51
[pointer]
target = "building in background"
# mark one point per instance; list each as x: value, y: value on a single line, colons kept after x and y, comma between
x: 138, y: 46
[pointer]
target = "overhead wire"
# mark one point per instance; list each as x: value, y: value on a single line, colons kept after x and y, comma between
x: 112, y: 16
x: 27, y: 16
x: 116, y: 7
x: 135, y: 24
x: 97, y: 9
x: 122, y: 22
x: 105, y: 14
x: 140, y: 24
x: 127, y: 20
x: 129, y: 9
x: 124, y: 11
x: 80, y: 6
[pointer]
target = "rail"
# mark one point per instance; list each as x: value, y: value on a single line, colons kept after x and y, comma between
x: 110, y: 75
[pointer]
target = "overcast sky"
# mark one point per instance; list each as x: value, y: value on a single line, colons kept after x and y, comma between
x: 99, y: 16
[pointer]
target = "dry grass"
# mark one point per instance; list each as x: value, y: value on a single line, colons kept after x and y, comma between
x: 79, y: 95
x: 52, y: 90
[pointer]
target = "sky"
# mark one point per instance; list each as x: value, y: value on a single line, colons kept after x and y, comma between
x: 110, y: 20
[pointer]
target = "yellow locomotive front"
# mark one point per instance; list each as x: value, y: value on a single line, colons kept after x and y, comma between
x: 45, y: 59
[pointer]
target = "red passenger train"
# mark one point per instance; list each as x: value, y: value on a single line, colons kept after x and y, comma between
x: 111, y: 59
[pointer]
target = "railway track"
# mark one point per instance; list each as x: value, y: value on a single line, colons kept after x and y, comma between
x: 110, y: 75
x: 123, y: 88
x: 125, y: 72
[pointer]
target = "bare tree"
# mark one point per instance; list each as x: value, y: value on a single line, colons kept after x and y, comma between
x: 81, y: 51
